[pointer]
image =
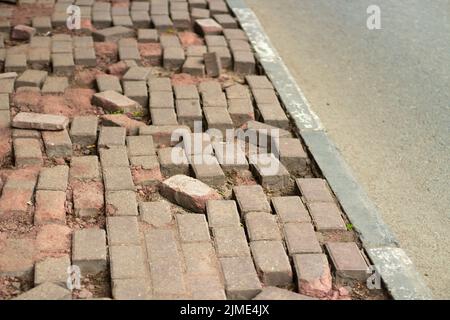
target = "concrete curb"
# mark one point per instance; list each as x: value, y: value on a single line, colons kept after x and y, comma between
x: 396, y: 269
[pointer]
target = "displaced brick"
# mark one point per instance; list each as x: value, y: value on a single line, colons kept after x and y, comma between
x: 107, y: 82
x: 244, y: 62
x: 347, y: 260
x: 173, y: 161
x: 113, y: 101
x: 173, y: 58
x: 241, y: 111
x: 57, y: 143
x: 269, y: 171
x: 55, y: 85
x: 194, y: 66
x: 241, y: 280
x: 31, y: 78
x: 208, y: 26
x: 313, y: 274
x: 113, y: 34
x: 46, y: 291
x: 39, y: 121
x: 164, y: 135
x: 83, y: 130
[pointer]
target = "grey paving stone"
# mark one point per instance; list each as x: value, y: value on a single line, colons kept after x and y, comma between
x: 291, y: 154
x: 162, y: 22
x: 326, y: 216
x: 314, y: 190
x: 4, y: 101
x: 57, y: 143
x: 124, y: 21
x: 270, y: 172
x: 244, y: 62
x: 113, y: 33
x: 163, y: 117
x: 54, y: 178
x: 234, y: 34
x: 85, y: 57
x: 127, y: 262
x: 290, y: 209
x: 84, y: 168
x: 63, y: 64
x: 169, y: 40
x: 226, y: 21
x: 186, y: 91
x: 118, y: 179
x: 200, y: 13
x: 217, y: 6
x: 24, y: 133
x: 27, y: 152
x: 230, y: 156
x: 192, y: 227
x: 102, y: 20
x: 258, y: 82
x: 7, y: 86
x: 301, y: 238
x: 230, y: 242
x: 194, y: 66
x: 39, y: 58
x: 207, y: 169
x: 188, y: 111
x: 222, y: 213
x: 215, y: 41
x: 159, y: 84
x: 46, y: 291
x: 131, y: 289
x: 262, y: 226
x: 200, y: 259
x: 162, y: 135
x: 83, y: 130
x: 137, y: 74
x: 251, y: 198
x: 140, y: 146
x: 181, y: 20
x: 114, y: 156
x: 122, y: 231
x: 140, y: 19
x: 5, y: 119
x: 145, y: 162
x: 53, y: 270
x: 89, y: 250
x: 173, y: 58
x: 115, y: 102
x: 137, y: 91
x: 111, y: 136
x: 156, y: 213
x: 121, y: 203
x: 225, y: 56
x: 55, y: 85
x: 31, y: 78
x: 64, y: 46
x: 197, y: 3
x: 130, y: 53
x: 161, y: 99
x: 83, y: 42
x: 173, y: 161
x: 218, y: 119
x: 196, y: 51
x: 214, y: 100
x: 148, y: 35
x: 166, y: 263
x: 239, y: 45
x: 241, y: 279
x: 15, y: 62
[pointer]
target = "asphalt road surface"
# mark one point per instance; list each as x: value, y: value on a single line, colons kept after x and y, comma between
x: 384, y: 98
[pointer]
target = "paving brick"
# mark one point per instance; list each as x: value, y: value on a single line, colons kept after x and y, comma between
x: 101, y: 20
x: 269, y: 171
x: 194, y: 66
x: 213, y: 100
x: 197, y: 3
x: 27, y: 152
x: 169, y: 40
x: 188, y: 112
x: 200, y: 13
x: 162, y: 135
x: 258, y: 82
x: 196, y: 51
x: 291, y: 154
x: 230, y: 241
x: 163, y: 117
x: 17, y: 257
x: 173, y: 161
x: 301, y: 238
x: 83, y: 130
x: 137, y: 91
x: 127, y: 262
x: 59, y: 18
x: 148, y: 35
x: 222, y: 213
x: 181, y: 20
x: 234, y: 34
x: 114, y: 156
x: 113, y: 34
x: 46, y: 291
x: 121, y: 203
x: 140, y: 146
x: 87, y: 198
x: 124, y: 21
x: 207, y: 169
x: 113, y: 101
x: 173, y: 58
x: 272, y: 263
x: 85, y: 57
x: 200, y: 259
x: 55, y: 85
x: 237, y: 91
x: 52, y: 270
x: 63, y: 64
x: 57, y: 143
x: 156, y: 213
x: 208, y: 26
x: 162, y: 23
x: 4, y: 101
x: 218, y: 119
x: 53, y: 239
x: 122, y: 231
x: 39, y: 121
x: 290, y: 209
x: 226, y: 21
x: 89, y: 250
x: 137, y: 74
x: 161, y: 100
x: 54, y: 178
x: 262, y: 226
x: 313, y: 274
x: 241, y: 280
x: 207, y: 287
x: 84, y: 168
x: 50, y: 207
x: 314, y: 190
x: 230, y: 156
x: 15, y: 62
x: 31, y: 78
x: 224, y: 54
x: 83, y: 42
x: 241, y: 111
x: 239, y: 45
x: 118, y: 179
x: 274, y: 293
x: 347, y: 260
x: 106, y: 82
x: 159, y: 84
x: 192, y: 227
x: 186, y: 91
x: 131, y: 289
x: 188, y: 192
x: 326, y: 216
x: 25, y: 133
x: 273, y: 114
x: 111, y: 136
x: 244, y: 62
x: 140, y: 19
x: 213, y: 64
x: 217, y: 6
x: 120, y: 11
x: 5, y: 119
x: 251, y: 198
x: 166, y: 264
x: 7, y: 86
x: 130, y: 53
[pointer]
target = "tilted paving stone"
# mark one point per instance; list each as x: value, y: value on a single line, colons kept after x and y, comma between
x: 137, y: 74
x: 290, y: 209
x: 130, y: 53
x: 291, y: 154
x: 347, y: 260
x: 173, y: 58
x: 313, y: 274
x: 50, y: 207
x: 326, y: 216
x: 162, y: 23
x: 224, y: 55
x: 208, y: 26
x: 147, y: 36
x: 140, y: 146
x: 269, y: 171
x: 188, y: 192
x: 161, y: 100
x: 107, y: 82
x: 262, y: 226
x: 83, y: 130
x: 274, y: 293
x: 84, y: 168
x: 55, y: 85
x: 222, y: 213
x: 88, y: 198
x: 301, y: 238
x: 166, y: 264
x: 114, y: 101
x: 31, y: 78
x: 122, y: 231
x: 234, y: 34
x: 113, y: 34
x: 194, y: 66
x: 27, y: 152
x: 314, y: 190
x: 111, y: 136
x: 57, y: 143
x: 207, y: 169
x: 272, y: 263
x: 226, y: 21
x: 251, y: 198
x: 52, y: 270
x: 114, y: 156
x: 39, y: 121
x: 15, y: 62
x: 265, y: 134
x: 85, y: 57
x: 89, y: 251
x: 192, y: 227
x: 63, y: 64
x: 200, y: 13
x: 127, y: 262
x: 162, y: 135
x: 121, y: 203
x: 215, y: 41
x: 46, y: 291
x: 156, y: 213
x: 137, y: 91
x: 181, y: 20
x: 230, y: 242
x: 241, y: 279
x: 118, y: 179
x: 173, y: 161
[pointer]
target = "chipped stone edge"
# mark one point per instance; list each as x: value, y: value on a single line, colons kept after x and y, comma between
x: 399, y: 275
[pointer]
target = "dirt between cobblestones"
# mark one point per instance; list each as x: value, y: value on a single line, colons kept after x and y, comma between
x: 201, y: 276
